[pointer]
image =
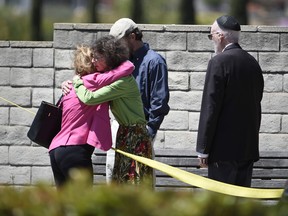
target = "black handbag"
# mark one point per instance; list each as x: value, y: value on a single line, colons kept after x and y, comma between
x: 46, y: 124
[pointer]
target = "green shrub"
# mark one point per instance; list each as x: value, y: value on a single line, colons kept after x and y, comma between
x: 78, y: 199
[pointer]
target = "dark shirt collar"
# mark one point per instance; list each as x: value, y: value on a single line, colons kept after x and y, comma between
x: 141, y: 51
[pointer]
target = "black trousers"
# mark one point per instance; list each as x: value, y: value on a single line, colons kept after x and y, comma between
x: 65, y: 158
x: 232, y: 172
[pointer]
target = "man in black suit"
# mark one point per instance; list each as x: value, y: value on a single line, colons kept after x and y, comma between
x: 228, y: 132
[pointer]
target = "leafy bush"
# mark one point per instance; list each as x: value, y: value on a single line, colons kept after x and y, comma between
x: 79, y: 199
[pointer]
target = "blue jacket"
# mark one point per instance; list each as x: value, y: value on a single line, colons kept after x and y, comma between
x: 152, y: 78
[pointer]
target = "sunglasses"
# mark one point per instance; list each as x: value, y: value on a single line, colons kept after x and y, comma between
x: 210, y: 36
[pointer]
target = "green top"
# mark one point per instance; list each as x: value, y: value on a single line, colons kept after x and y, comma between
x: 126, y: 104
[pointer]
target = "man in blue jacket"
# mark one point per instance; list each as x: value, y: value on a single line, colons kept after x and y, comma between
x: 151, y: 76
x: 150, y: 73
x: 228, y: 132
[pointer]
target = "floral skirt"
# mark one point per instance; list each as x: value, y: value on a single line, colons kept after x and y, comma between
x: 135, y: 140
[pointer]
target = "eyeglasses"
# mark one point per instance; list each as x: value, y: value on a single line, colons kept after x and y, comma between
x: 211, y: 35
x: 96, y: 58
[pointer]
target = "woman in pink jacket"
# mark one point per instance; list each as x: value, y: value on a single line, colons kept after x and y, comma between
x: 85, y: 127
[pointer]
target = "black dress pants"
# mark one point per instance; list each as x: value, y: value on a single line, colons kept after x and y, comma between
x: 232, y: 172
x: 65, y: 158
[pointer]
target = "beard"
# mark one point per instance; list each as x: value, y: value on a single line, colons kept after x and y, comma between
x: 217, y: 48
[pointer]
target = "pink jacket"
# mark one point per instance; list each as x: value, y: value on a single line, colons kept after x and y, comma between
x: 82, y: 124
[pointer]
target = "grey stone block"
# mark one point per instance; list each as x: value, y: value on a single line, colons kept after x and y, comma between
x: 15, y: 175
x: 40, y: 174
x: 190, y: 101
x: 43, y: 58
x: 4, y: 153
x: 260, y: 41
x: 20, y: 96
x: 15, y: 57
x: 4, y: 115
x: 284, y: 124
x: 198, y: 41
x: 178, y: 80
x: 26, y: 155
x: 187, y: 61
x: 63, y: 58
x: 274, y: 61
x: 273, y: 82
x: 270, y: 123
x: 42, y: 94
x: 193, y: 120
x: 275, y: 103
x: 180, y: 140
x: 14, y: 135
x: 197, y: 80
x: 273, y: 142
x: 176, y: 120
x: 32, y: 77
x: 5, y: 76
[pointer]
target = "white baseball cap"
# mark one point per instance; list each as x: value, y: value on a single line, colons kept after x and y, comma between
x: 121, y: 27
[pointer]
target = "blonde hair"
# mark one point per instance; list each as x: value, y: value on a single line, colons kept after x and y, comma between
x: 83, y: 60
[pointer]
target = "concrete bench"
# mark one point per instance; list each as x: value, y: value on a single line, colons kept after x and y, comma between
x: 271, y: 171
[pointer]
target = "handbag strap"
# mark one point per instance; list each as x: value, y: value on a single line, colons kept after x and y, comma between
x: 59, y: 102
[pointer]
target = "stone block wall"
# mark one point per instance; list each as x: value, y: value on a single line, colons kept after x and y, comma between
x: 33, y: 71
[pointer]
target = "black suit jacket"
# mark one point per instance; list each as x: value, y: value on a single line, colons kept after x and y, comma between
x: 231, y: 107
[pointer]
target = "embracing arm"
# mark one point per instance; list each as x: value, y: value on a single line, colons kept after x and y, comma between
x: 97, y: 80
x: 107, y: 93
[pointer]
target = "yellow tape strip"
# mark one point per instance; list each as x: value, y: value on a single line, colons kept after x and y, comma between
x: 196, y: 180
x: 18, y: 105
x: 206, y: 183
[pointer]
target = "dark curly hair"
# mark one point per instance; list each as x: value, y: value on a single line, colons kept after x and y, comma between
x: 112, y: 50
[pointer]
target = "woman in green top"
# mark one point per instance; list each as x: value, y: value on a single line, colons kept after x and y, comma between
x: 132, y: 135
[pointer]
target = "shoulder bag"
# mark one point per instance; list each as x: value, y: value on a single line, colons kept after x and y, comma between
x: 46, y: 124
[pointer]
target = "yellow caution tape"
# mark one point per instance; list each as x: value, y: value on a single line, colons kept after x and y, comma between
x: 206, y: 183
x: 196, y: 180
x: 18, y: 105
